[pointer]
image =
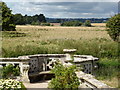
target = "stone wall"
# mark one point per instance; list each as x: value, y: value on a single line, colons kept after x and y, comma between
x: 43, y: 62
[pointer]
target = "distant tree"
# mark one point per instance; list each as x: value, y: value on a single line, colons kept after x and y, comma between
x: 7, y: 18
x: 87, y: 23
x: 71, y: 23
x: 113, y: 27
x: 41, y: 18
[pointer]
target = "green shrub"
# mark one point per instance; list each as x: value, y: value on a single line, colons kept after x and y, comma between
x: 71, y: 23
x: 9, y: 71
x: 113, y: 26
x: 65, y: 78
x: 87, y: 23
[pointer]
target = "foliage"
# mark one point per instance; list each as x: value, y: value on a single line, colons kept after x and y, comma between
x: 87, y: 23
x: 113, y: 26
x: 33, y: 20
x: 8, y: 84
x: 19, y: 19
x: 10, y: 70
x: 7, y: 18
x: 35, y: 23
x: 71, y: 23
x: 65, y: 78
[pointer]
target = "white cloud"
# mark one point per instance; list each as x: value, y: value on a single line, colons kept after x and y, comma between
x: 65, y: 9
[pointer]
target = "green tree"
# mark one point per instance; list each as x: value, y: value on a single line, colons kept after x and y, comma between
x: 41, y: 18
x: 65, y: 78
x: 87, y: 23
x: 7, y: 18
x: 113, y: 27
x: 19, y: 19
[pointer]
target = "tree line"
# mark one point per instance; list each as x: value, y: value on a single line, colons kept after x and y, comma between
x: 33, y: 20
x: 8, y: 21
x: 76, y: 23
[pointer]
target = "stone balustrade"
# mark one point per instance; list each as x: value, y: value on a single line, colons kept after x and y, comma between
x: 33, y: 65
x: 44, y: 62
x: 87, y: 62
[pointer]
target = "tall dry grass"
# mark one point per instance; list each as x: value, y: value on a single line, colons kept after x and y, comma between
x: 40, y: 39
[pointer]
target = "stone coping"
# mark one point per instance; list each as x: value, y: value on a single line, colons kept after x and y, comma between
x: 85, y: 58
x: 91, y: 80
x: 47, y: 55
x: 69, y: 50
x: 13, y: 59
x: 82, y: 60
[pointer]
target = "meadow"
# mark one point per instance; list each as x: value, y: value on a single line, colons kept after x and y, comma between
x: 40, y: 39
x: 28, y: 40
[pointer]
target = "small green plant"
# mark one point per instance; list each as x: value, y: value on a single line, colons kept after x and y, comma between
x: 65, y: 78
x: 10, y: 70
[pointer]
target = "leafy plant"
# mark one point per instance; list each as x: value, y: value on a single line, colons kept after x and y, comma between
x: 65, y: 78
x: 8, y: 84
x: 10, y: 70
x: 113, y: 26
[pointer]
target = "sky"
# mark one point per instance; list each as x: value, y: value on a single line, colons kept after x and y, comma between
x: 65, y: 8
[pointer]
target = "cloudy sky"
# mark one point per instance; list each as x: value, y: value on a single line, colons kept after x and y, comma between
x: 65, y: 8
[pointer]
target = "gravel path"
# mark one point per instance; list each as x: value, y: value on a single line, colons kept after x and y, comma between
x: 38, y: 85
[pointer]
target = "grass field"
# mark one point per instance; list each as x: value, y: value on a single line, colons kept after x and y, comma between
x: 40, y: 39
x: 29, y: 40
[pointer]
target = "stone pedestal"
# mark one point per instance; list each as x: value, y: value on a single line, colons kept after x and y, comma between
x: 24, y: 75
x: 69, y: 53
x: 24, y: 68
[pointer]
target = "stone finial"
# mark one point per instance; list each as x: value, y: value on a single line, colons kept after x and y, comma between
x: 69, y: 50
x: 69, y: 53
